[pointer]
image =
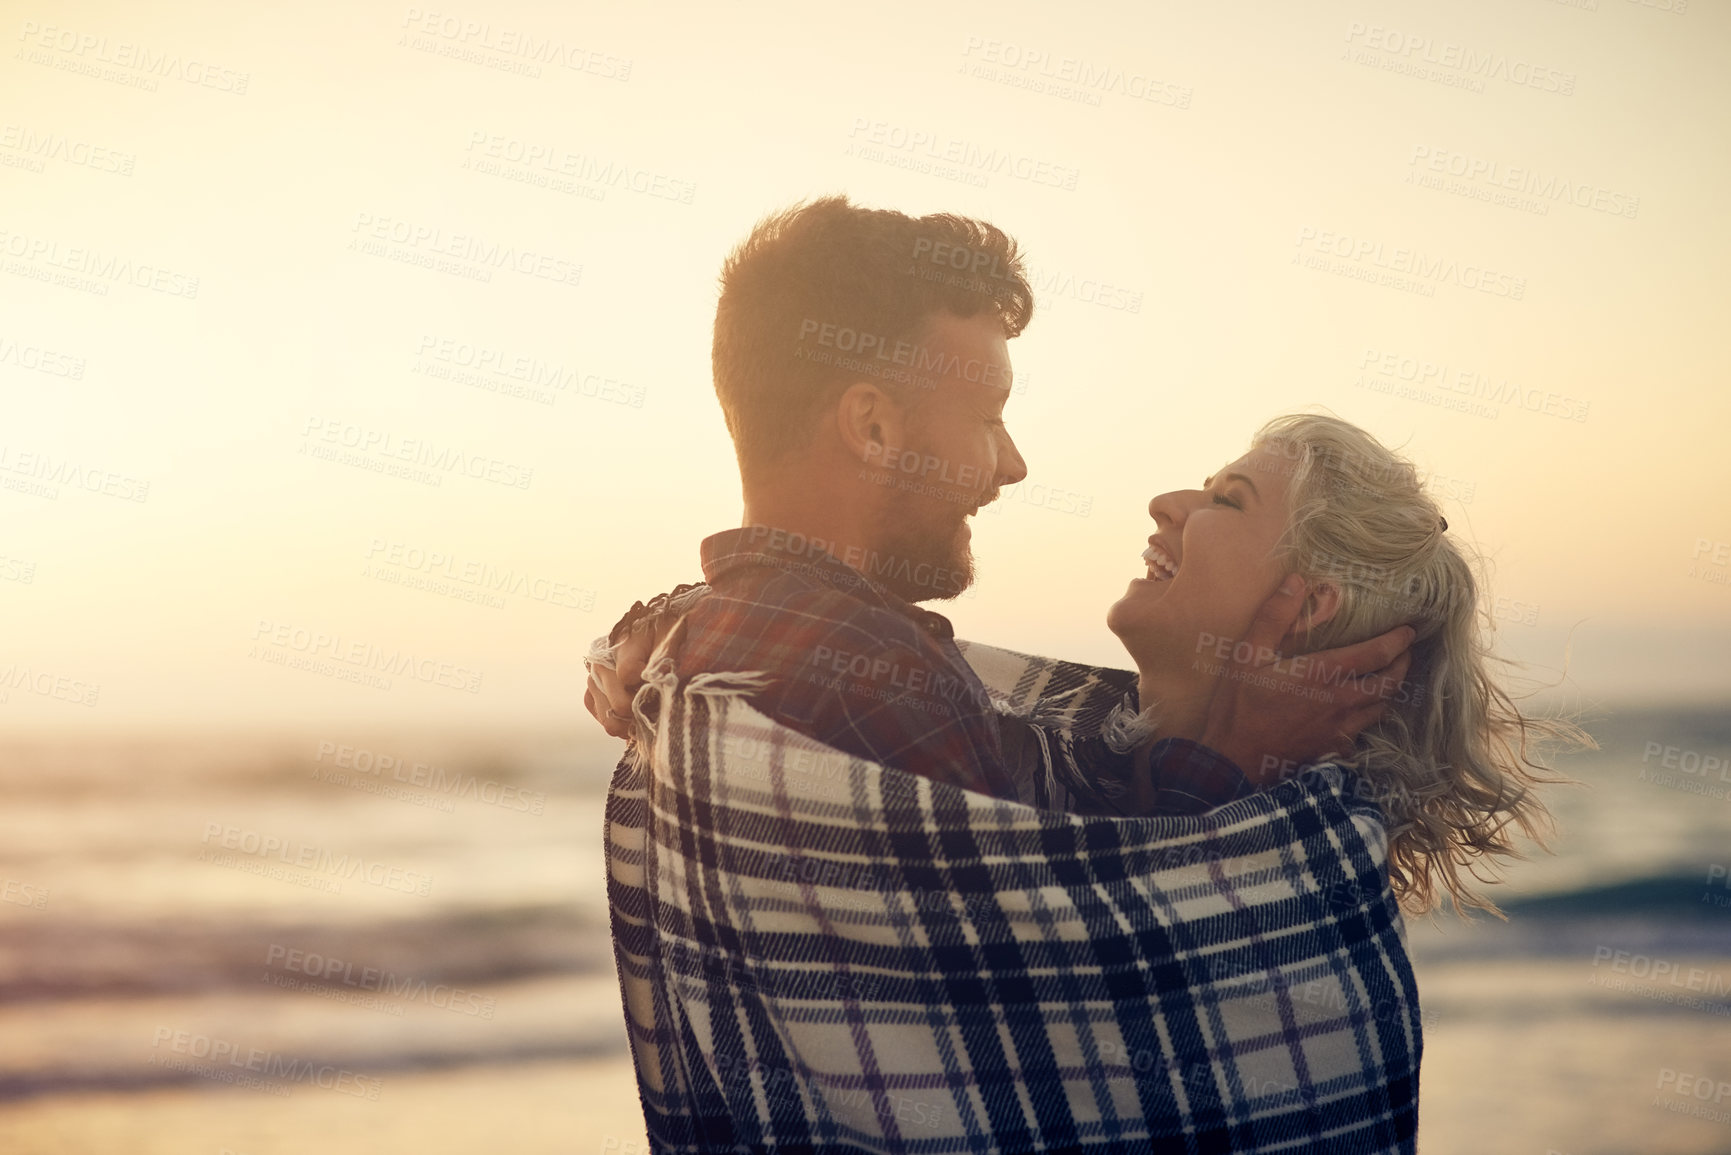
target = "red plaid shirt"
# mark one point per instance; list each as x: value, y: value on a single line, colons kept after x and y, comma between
x: 859, y: 669
x: 849, y: 663
x: 1190, y: 778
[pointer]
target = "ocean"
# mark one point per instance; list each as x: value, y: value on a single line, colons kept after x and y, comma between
x: 381, y: 943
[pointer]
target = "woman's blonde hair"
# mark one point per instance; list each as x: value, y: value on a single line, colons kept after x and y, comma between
x: 1452, y: 763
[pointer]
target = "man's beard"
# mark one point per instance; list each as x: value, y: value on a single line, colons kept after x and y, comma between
x: 922, y: 557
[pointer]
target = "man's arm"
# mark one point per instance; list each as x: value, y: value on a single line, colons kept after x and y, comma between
x: 1271, y: 714
x: 864, y: 680
x: 1268, y: 714
x: 1088, y: 751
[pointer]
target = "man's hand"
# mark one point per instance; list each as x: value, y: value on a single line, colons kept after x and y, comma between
x: 613, y: 686
x: 1270, y: 713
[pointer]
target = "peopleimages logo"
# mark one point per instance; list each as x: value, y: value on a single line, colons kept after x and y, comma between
x: 269, y: 1064
x: 335, y: 970
x: 103, y: 269
x: 1521, y: 179
x: 39, y: 147
x: 1413, y: 51
x: 469, y: 253
x: 41, y: 360
x: 1692, y: 766
x: 515, y: 374
x: 469, y: 39
x: 50, y: 473
x: 1436, y: 374
x: 1660, y: 970
x: 272, y: 640
x: 479, y: 578
x: 85, y: 51
x: 1424, y: 270
x: 797, y: 553
x: 316, y: 858
x: 969, y: 476
x: 326, y: 438
x: 870, y: 138
x: 931, y: 365
x: 1070, y: 77
x: 553, y: 161
x: 438, y: 779
x: 23, y: 894
x: 46, y: 684
x: 1711, y: 561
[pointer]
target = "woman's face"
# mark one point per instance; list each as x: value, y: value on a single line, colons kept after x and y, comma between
x: 1211, y: 564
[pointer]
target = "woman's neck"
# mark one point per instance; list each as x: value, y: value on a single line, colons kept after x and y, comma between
x: 1182, y: 701
x: 1172, y: 707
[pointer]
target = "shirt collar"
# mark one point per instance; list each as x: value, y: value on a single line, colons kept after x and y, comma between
x: 760, y: 545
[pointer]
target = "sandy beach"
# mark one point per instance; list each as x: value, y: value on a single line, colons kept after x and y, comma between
x: 484, y: 1015
x: 528, y: 1109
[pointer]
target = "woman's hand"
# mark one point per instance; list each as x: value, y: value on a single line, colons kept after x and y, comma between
x: 1272, y: 714
x: 607, y: 699
x: 616, y: 662
x: 616, y: 675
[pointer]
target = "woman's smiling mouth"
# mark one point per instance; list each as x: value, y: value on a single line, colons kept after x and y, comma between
x: 1161, y: 567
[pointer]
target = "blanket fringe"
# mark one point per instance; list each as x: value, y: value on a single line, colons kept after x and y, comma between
x: 661, y: 682
x: 730, y: 683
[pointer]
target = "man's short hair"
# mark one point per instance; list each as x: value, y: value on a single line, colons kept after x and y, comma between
x: 825, y: 294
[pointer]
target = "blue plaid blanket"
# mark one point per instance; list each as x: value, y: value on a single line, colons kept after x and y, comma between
x: 817, y: 953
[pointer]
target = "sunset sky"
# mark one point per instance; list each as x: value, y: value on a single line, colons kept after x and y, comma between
x: 238, y: 246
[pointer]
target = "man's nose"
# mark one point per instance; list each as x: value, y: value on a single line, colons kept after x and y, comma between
x: 1011, y: 467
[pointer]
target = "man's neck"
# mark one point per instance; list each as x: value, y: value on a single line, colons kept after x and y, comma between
x: 816, y: 516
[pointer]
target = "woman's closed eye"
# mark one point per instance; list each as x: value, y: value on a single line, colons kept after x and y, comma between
x: 1222, y: 499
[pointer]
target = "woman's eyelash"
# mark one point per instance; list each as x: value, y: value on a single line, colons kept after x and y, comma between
x: 1219, y: 499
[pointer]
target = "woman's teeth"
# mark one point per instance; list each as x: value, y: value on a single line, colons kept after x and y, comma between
x: 1160, y: 567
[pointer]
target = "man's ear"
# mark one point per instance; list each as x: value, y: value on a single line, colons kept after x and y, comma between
x: 1321, y: 603
x: 869, y: 423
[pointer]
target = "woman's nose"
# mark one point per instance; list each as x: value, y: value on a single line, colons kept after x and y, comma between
x: 1166, y: 509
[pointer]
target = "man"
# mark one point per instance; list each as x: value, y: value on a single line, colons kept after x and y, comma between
x: 861, y: 361
x: 860, y: 358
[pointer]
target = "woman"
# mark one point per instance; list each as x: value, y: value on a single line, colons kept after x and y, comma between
x: 1449, y: 765
x: 817, y: 952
